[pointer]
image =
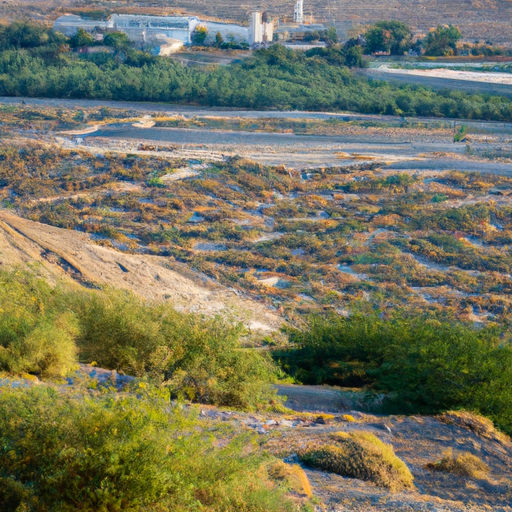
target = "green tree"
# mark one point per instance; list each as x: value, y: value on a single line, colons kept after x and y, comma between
x: 218, y: 40
x: 442, y: 41
x: 388, y: 36
x: 21, y: 34
x: 81, y: 38
x: 117, y: 40
x: 199, y: 35
x: 331, y: 36
x: 354, y: 57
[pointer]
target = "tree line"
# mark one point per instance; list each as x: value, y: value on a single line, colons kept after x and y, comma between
x: 36, y: 61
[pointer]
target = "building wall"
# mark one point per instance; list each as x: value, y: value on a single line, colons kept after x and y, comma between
x: 298, y: 15
x: 151, y: 29
x: 147, y: 28
x: 69, y: 25
x: 268, y: 32
x: 227, y: 31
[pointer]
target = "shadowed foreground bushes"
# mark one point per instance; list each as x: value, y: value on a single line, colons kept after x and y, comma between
x: 360, y: 455
x: 425, y: 365
x: 45, y: 331
x: 62, y: 454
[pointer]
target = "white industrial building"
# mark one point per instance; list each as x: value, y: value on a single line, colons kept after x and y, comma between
x: 260, y: 30
x: 170, y: 30
x: 146, y: 28
x: 256, y: 28
x: 298, y: 15
x: 69, y: 25
x: 139, y: 29
x: 228, y: 31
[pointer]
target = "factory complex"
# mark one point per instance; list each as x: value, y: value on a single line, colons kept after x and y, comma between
x: 157, y: 30
x: 166, y: 34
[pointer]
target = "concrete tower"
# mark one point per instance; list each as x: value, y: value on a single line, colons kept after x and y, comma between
x: 256, y: 28
x: 298, y: 15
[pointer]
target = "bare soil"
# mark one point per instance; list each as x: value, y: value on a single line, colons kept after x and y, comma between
x: 466, y: 83
x: 60, y: 254
x: 417, y: 440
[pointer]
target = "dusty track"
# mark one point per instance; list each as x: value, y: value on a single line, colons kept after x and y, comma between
x: 190, y: 110
x: 438, y: 83
x: 413, y: 152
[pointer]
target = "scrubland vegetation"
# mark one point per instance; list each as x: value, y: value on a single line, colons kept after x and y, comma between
x: 336, y: 240
x: 360, y: 455
x: 46, y: 331
x: 394, y: 284
x: 35, y: 61
x: 424, y: 364
x: 132, y: 453
x: 83, y: 447
x: 463, y: 464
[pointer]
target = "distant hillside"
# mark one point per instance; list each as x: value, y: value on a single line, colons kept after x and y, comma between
x: 478, y: 19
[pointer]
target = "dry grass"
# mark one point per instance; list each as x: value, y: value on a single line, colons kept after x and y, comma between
x: 478, y: 424
x: 292, y: 475
x: 462, y: 464
x: 360, y: 455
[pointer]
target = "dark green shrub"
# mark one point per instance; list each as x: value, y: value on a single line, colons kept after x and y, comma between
x: 426, y: 365
x: 388, y: 36
x: 442, y: 41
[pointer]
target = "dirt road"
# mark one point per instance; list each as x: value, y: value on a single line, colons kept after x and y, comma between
x: 191, y: 110
x: 309, y: 151
x: 466, y: 84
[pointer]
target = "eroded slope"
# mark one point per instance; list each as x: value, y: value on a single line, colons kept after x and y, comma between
x: 58, y: 253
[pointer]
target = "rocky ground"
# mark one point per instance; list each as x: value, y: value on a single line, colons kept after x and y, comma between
x: 417, y: 440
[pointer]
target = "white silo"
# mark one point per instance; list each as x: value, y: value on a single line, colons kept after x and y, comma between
x: 298, y: 15
x: 256, y: 28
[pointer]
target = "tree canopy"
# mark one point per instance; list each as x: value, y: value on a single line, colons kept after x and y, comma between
x: 273, y: 78
x: 442, y: 41
x: 81, y: 38
x: 388, y: 36
x: 199, y: 35
x: 118, y: 40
